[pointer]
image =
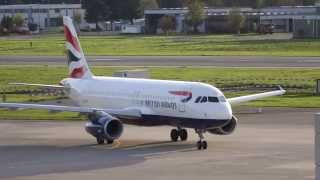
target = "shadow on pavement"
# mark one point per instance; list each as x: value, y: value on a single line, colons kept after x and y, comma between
x: 29, y: 160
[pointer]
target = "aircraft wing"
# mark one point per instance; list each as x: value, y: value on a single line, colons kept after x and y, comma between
x: 127, y: 112
x: 38, y: 85
x: 243, y: 99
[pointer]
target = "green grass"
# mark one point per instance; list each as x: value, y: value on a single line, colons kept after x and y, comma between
x: 204, y: 45
x: 38, y: 115
x: 218, y: 76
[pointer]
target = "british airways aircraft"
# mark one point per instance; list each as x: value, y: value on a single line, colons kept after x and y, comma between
x: 109, y: 101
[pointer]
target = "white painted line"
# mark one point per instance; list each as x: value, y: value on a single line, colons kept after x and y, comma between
x: 309, y: 61
x: 105, y: 59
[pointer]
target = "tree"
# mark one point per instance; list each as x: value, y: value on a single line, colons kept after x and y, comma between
x: 167, y: 23
x: 96, y: 10
x: 18, y: 20
x: 195, y: 15
x: 214, y: 3
x: 259, y: 4
x: 236, y: 20
x: 124, y: 9
x: 147, y: 4
x: 130, y: 9
x: 170, y: 3
x: 77, y: 18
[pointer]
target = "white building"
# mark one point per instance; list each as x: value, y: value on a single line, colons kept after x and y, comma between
x: 44, y: 15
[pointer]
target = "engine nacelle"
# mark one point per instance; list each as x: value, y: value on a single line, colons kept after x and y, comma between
x: 226, y: 129
x: 105, y: 126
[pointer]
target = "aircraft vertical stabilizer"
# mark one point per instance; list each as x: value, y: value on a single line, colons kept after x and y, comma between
x: 78, y: 67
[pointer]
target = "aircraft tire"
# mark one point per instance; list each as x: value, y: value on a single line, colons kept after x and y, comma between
x: 100, y: 140
x: 174, y: 135
x: 109, y: 141
x: 183, y: 134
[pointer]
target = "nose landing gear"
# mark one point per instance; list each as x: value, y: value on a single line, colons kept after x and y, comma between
x: 183, y: 135
x: 176, y: 133
x: 201, y: 144
x: 101, y: 140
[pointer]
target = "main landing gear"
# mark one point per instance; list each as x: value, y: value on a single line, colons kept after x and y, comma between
x: 201, y: 144
x: 176, y: 133
x: 183, y: 135
x: 101, y: 141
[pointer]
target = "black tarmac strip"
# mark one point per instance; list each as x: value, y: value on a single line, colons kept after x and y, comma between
x: 218, y: 61
x: 273, y: 144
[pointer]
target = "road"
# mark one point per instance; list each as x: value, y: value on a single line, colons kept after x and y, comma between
x: 219, y: 61
x: 274, y: 144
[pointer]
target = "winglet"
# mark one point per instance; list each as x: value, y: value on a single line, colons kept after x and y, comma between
x: 281, y: 89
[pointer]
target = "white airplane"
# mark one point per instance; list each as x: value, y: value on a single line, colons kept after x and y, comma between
x: 111, y: 101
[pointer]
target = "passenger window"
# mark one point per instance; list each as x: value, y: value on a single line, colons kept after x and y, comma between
x: 204, y: 99
x: 198, y: 99
x: 213, y: 99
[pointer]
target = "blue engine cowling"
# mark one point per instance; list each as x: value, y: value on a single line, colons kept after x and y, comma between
x: 103, y: 125
x: 227, y: 129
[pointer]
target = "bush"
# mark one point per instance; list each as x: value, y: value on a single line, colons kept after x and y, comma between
x: 236, y: 20
x: 18, y: 20
x: 167, y: 23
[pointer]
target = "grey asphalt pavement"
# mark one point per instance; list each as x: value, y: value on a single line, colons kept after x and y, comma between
x: 219, y: 61
x: 274, y: 144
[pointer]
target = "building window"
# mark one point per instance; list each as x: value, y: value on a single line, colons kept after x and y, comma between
x: 57, y: 10
x: 35, y: 10
x: 43, y: 10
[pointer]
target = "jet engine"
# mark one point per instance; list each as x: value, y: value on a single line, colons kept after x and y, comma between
x: 103, y: 125
x: 227, y: 129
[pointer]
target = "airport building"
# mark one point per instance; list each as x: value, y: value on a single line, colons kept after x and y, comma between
x: 46, y: 16
x: 302, y: 21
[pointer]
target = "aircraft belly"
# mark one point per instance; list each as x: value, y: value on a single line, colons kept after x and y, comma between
x: 158, y: 120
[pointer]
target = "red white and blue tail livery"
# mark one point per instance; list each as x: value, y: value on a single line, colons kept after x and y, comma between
x: 110, y: 101
x: 78, y: 67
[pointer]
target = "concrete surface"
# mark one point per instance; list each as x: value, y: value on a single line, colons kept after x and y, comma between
x: 219, y: 61
x: 274, y: 144
x: 317, y: 146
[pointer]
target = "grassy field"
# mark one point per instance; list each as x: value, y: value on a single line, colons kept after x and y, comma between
x: 204, y: 45
x: 217, y: 76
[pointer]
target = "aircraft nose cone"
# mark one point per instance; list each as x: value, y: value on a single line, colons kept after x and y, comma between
x: 228, y: 111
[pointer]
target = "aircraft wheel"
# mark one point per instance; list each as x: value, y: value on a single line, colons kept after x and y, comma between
x: 204, y: 145
x: 109, y: 141
x: 100, y: 140
x: 183, y: 134
x: 174, y: 135
x: 199, y: 145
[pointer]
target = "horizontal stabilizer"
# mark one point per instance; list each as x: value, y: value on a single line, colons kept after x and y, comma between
x: 38, y: 85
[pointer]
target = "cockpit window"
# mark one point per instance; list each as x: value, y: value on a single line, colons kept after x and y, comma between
x: 198, y: 99
x: 204, y: 99
x: 222, y: 99
x: 213, y: 99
